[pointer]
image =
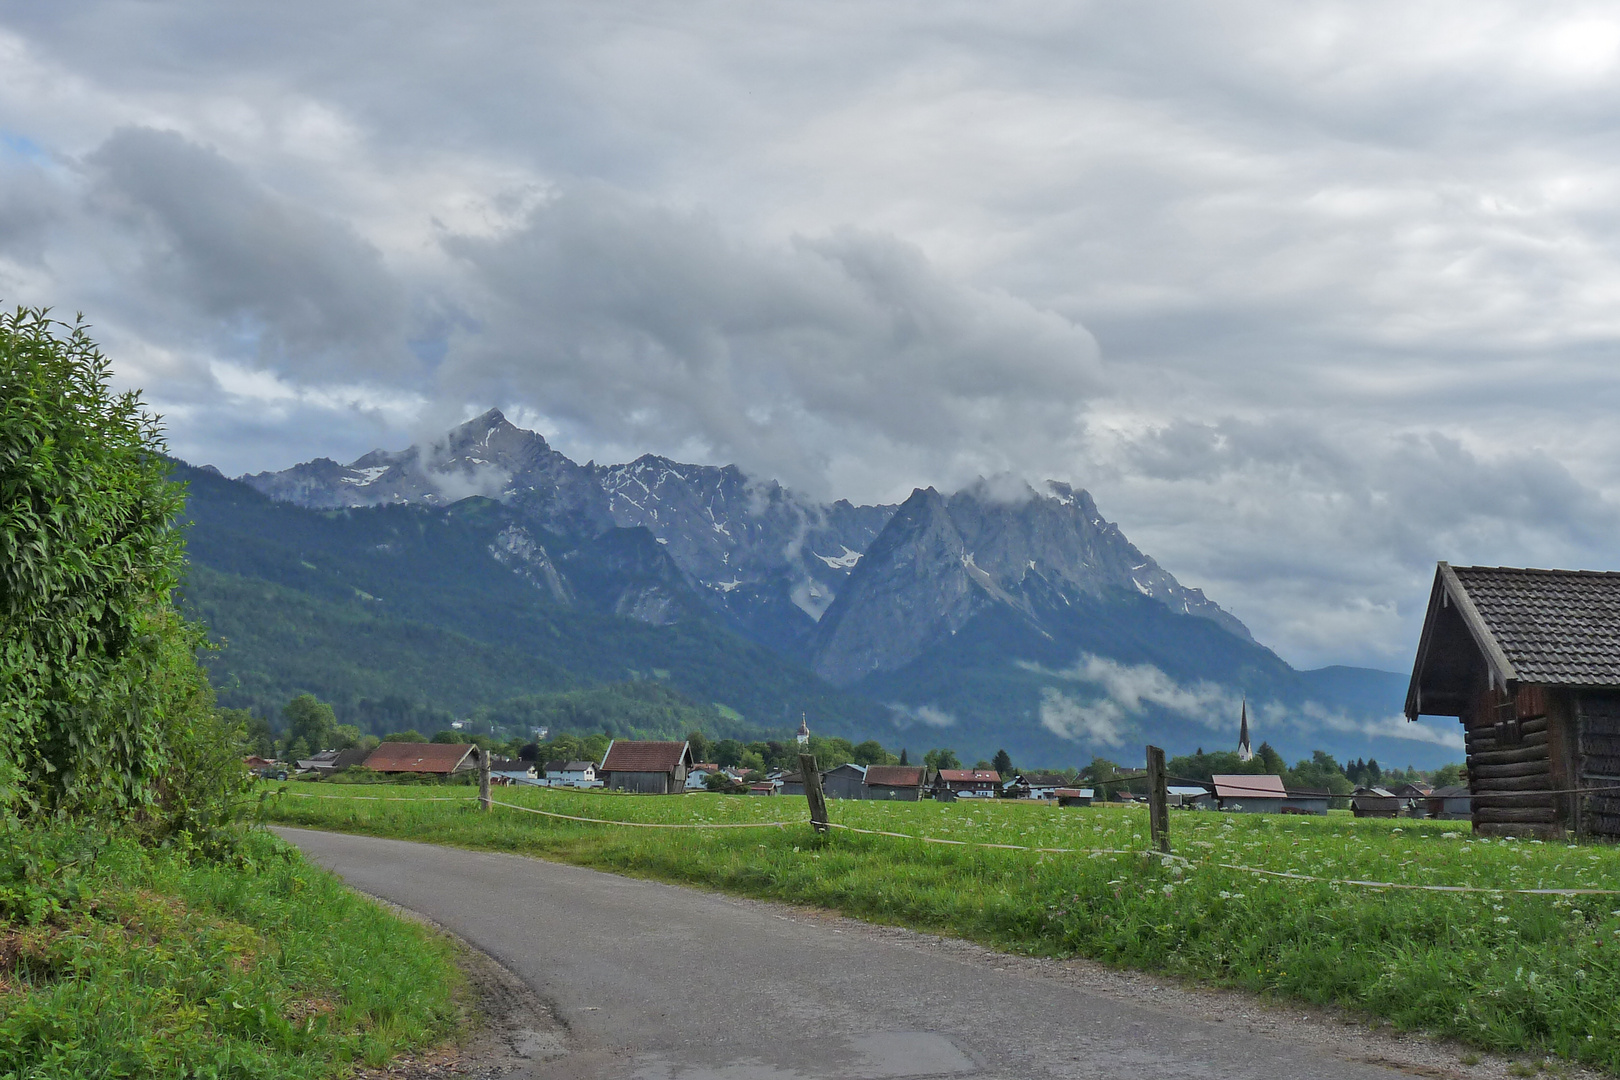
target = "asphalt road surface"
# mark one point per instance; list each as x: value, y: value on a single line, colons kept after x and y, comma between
x: 665, y: 983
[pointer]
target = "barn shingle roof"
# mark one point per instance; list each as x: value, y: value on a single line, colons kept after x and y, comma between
x: 894, y: 775
x: 1554, y: 626
x: 418, y: 757
x: 626, y: 756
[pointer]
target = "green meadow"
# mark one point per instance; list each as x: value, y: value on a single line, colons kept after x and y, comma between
x: 1506, y: 971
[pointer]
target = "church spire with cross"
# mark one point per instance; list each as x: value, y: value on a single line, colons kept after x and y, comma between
x: 804, y: 731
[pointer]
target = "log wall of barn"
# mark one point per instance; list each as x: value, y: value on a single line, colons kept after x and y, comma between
x: 1598, y: 754
x: 1510, y: 766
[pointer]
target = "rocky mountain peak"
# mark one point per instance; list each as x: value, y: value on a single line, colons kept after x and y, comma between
x: 942, y: 560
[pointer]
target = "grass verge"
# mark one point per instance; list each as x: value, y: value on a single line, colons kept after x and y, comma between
x: 1507, y: 972
x: 118, y: 961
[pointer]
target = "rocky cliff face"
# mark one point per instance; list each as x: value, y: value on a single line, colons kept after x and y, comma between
x: 852, y: 589
x: 768, y: 558
x: 942, y: 560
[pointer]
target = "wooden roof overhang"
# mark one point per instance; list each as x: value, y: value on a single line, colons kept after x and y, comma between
x: 1454, y: 651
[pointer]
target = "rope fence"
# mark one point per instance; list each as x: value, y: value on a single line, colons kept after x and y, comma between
x: 1165, y: 858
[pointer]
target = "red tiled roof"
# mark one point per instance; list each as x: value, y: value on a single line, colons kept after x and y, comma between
x: 418, y: 757
x: 626, y: 756
x: 1245, y: 786
x: 959, y: 776
x: 894, y: 775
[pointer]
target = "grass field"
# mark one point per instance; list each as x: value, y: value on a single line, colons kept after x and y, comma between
x: 119, y: 961
x: 1532, y: 974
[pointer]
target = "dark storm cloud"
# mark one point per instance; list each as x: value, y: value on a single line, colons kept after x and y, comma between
x: 637, y: 317
x: 221, y: 252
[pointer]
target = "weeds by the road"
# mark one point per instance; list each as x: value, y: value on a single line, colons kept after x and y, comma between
x: 119, y: 961
x: 1515, y: 973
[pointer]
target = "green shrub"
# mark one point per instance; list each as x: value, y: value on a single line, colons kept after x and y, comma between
x: 103, y: 707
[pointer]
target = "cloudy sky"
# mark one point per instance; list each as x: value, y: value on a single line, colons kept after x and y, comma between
x: 1309, y: 295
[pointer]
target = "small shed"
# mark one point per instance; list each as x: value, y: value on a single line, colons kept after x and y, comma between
x: 1306, y: 801
x: 648, y: 768
x: 1073, y: 796
x: 1450, y: 803
x: 764, y: 787
x: 902, y: 783
x: 1249, y: 793
x: 1529, y: 663
x: 848, y: 781
x: 1374, y: 802
x: 1185, y: 794
x: 437, y: 759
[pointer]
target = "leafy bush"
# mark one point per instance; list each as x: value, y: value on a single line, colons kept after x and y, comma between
x: 103, y: 708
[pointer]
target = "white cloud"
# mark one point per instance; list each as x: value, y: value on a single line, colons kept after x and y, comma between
x: 928, y: 716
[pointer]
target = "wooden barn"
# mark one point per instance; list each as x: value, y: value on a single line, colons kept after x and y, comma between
x: 651, y: 768
x: 900, y: 782
x: 1529, y: 661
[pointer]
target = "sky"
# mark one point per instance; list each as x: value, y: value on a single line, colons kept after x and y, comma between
x: 1308, y: 295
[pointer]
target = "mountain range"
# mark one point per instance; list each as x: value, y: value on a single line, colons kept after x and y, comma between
x: 1002, y: 615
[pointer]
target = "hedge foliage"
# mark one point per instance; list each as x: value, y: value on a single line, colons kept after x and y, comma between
x: 104, y: 710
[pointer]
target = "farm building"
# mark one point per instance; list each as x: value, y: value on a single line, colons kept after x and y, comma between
x: 439, y: 759
x: 952, y: 784
x: 792, y: 784
x: 848, y: 781
x: 1374, y: 802
x: 1529, y: 662
x: 1450, y: 803
x: 1306, y: 801
x: 1246, y: 793
x: 903, y: 783
x: 1185, y: 794
x: 650, y: 768
x: 1073, y: 796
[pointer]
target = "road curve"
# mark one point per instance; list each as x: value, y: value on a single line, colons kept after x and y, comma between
x: 658, y: 982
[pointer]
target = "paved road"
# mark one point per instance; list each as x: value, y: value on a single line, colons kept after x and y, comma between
x: 665, y: 983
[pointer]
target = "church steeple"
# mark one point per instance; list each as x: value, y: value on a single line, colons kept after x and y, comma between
x: 804, y: 731
x: 1244, y: 753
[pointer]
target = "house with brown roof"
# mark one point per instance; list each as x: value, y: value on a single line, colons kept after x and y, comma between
x: 952, y: 784
x: 438, y: 759
x: 650, y: 768
x: 1528, y: 661
x: 902, y: 783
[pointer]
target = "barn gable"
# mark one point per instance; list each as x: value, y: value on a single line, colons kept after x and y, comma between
x: 1529, y: 661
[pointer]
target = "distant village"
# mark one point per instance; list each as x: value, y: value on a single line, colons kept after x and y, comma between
x: 666, y: 767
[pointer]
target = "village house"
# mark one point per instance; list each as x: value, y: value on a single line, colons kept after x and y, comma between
x: 697, y: 777
x: 434, y: 759
x: 1529, y: 663
x: 1033, y: 785
x: 903, y: 783
x: 569, y: 774
x: 650, y: 768
x: 952, y: 784
x: 507, y: 771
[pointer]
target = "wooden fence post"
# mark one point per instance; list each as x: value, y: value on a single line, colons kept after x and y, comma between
x: 1158, y: 800
x: 484, y: 801
x: 812, y: 792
